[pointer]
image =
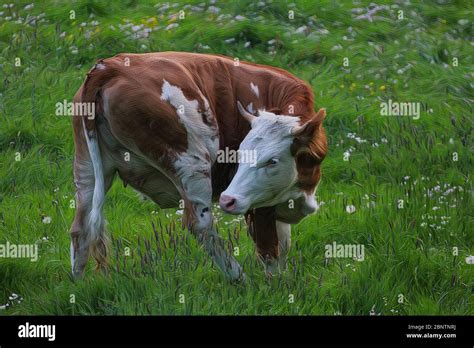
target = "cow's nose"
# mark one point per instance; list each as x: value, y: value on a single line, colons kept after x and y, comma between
x: 227, y: 203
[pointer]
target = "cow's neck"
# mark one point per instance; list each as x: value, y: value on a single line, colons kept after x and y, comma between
x: 257, y: 87
x: 278, y: 92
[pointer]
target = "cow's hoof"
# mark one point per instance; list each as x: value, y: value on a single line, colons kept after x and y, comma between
x: 272, y: 267
x: 239, y: 280
x: 237, y: 275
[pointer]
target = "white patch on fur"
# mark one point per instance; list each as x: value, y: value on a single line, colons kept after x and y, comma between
x: 284, y: 236
x: 191, y: 118
x: 100, y: 66
x: 254, y: 89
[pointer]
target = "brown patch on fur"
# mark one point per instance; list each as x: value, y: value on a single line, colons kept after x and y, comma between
x: 309, y: 149
x: 262, y: 227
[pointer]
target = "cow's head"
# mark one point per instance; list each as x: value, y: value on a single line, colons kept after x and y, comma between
x: 289, y: 155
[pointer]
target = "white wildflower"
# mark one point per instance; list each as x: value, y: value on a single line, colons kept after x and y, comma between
x: 301, y: 30
x: 171, y: 26
x: 350, y: 209
x: 214, y: 9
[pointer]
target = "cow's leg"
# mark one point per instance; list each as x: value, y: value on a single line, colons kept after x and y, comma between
x: 194, y: 183
x: 88, y: 231
x: 272, y: 238
x: 284, y: 242
x: 262, y: 226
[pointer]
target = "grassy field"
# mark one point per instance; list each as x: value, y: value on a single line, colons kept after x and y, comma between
x: 355, y: 59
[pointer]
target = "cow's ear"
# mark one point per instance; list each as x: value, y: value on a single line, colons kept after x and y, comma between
x: 306, y: 132
x: 245, y: 114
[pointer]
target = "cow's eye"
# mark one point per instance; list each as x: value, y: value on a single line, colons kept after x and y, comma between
x: 271, y: 162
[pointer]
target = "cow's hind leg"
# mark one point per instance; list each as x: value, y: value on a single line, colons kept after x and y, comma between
x: 92, y: 178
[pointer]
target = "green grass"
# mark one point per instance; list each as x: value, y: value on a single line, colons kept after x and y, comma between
x: 409, y: 60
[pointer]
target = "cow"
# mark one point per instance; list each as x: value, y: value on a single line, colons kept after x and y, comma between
x: 160, y: 120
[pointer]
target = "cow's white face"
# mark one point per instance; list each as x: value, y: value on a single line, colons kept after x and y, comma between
x: 276, y: 177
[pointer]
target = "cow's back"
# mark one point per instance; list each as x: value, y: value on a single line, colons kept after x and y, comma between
x: 137, y: 115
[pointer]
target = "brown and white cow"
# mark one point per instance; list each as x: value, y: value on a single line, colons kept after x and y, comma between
x: 160, y: 120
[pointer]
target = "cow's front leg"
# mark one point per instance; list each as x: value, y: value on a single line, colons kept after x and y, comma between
x: 284, y: 242
x: 196, y: 189
x: 262, y: 227
x: 272, y: 238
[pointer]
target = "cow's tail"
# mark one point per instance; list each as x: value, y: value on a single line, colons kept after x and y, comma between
x: 98, y: 240
x: 91, y: 93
